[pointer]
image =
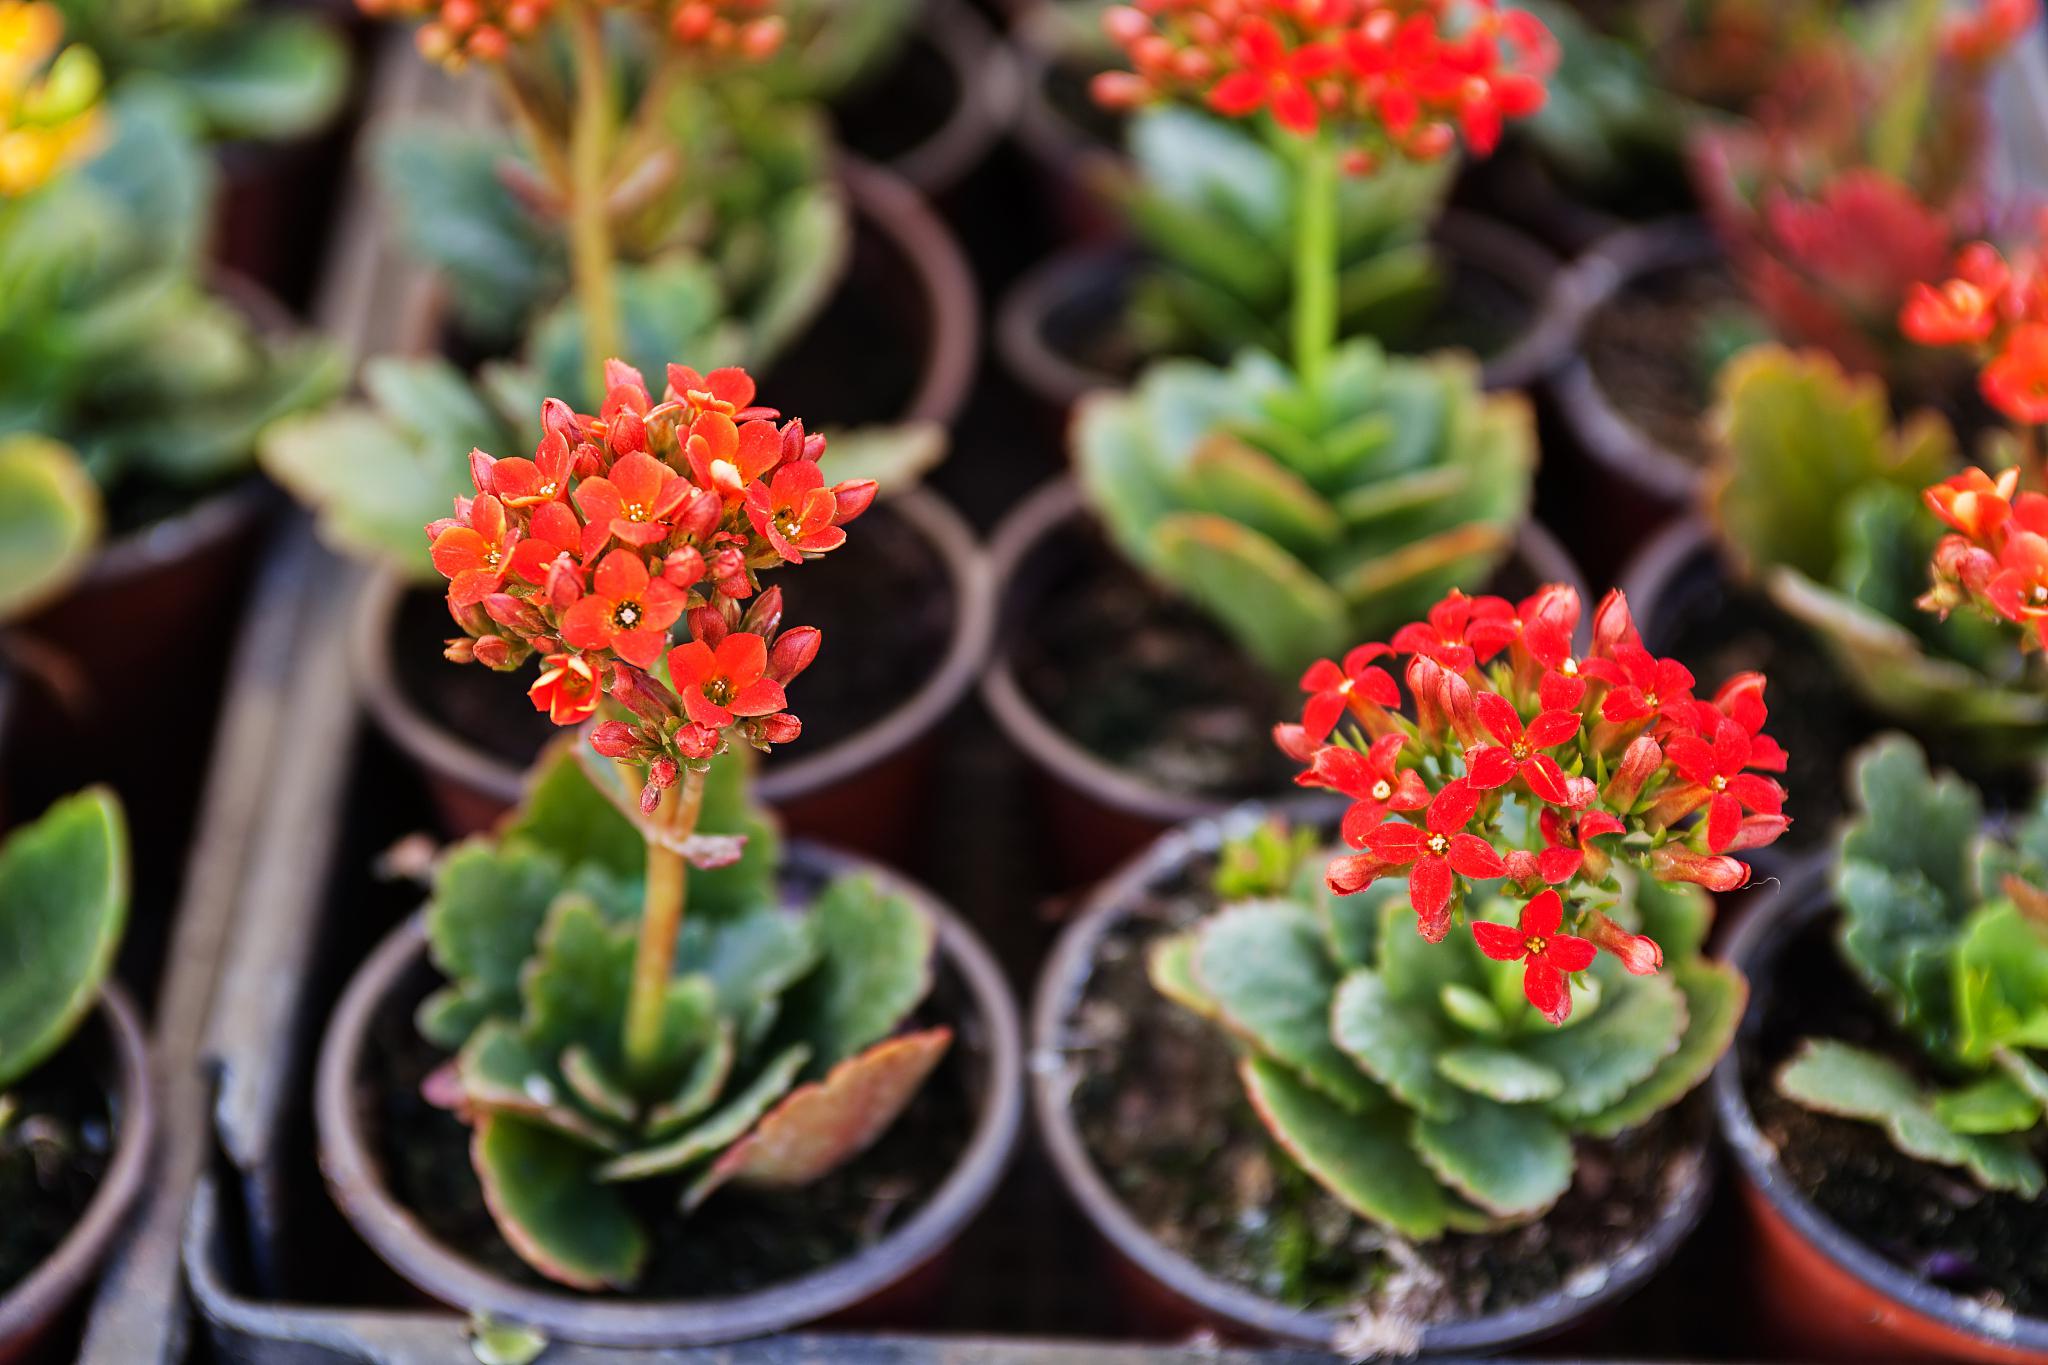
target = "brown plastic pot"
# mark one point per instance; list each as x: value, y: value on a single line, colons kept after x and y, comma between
x: 398, y: 974
x: 860, y: 793
x: 1821, y: 1294
x: 1646, y: 475
x: 1172, y: 1295
x: 32, y: 1308
x: 1097, y: 814
x: 1059, y: 306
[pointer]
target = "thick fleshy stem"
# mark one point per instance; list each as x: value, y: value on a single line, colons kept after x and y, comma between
x: 661, y: 919
x: 1315, y: 261
x: 590, y: 247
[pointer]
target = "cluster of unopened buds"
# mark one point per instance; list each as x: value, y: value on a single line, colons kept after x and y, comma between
x: 49, y: 99
x: 727, y: 28
x: 1997, y: 309
x: 624, y: 525
x: 1399, y: 78
x: 1526, y: 765
x: 1996, y: 558
x: 457, y: 32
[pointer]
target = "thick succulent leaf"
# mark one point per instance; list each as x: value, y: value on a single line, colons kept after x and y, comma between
x: 1274, y: 605
x: 1909, y: 820
x: 826, y: 1123
x: 701, y: 1088
x: 269, y: 76
x: 1227, y: 477
x: 1676, y: 914
x: 1514, y: 1161
x: 1353, y: 923
x: 575, y: 992
x: 1122, y: 484
x: 1396, y: 1042
x: 448, y: 1016
x: 810, y: 241
x: 502, y: 1073
x: 1714, y: 996
x: 1475, y: 1013
x: 542, y: 1192
x: 485, y: 916
x: 1362, y: 1158
x: 564, y: 814
x: 50, y: 520
x: 2001, y: 985
x: 1500, y: 1073
x: 1996, y: 1104
x: 1416, y: 970
x: 603, y: 1093
x: 1797, y: 436
x: 63, y: 905
x: 1640, y: 1023
x: 874, y: 966
x: 1266, y: 967
x: 896, y: 457
x: 1849, y: 1082
x: 724, y: 1126
x: 1170, y: 966
x: 753, y: 955
x: 1899, y: 936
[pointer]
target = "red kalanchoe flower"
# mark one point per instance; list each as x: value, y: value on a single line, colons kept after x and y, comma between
x: 1273, y: 76
x: 567, y: 689
x: 1974, y: 503
x: 1637, y: 953
x: 632, y: 502
x: 1520, y: 752
x: 1333, y: 690
x: 1716, y: 772
x: 1568, y: 842
x: 1374, y: 780
x: 544, y: 478
x: 1956, y: 313
x: 475, y: 556
x: 727, y: 457
x: 796, y: 512
x: 1641, y: 685
x: 1436, y: 853
x: 1455, y: 625
x: 626, y: 611
x: 2016, y: 379
x: 1550, y: 957
x: 719, y: 686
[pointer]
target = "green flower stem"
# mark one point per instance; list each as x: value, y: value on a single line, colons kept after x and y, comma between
x: 590, y: 246
x: 1897, y: 130
x: 1315, y: 261
x: 547, y: 151
x: 661, y: 919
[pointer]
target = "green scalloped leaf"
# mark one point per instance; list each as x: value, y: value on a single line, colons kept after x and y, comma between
x: 1170, y: 966
x: 1274, y: 605
x: 502, y: 1073
x: 63, y: 904
x: 1640, y: 1023
x: 1265, y: 965
x: 717, y: 1132
x: 483, y: 921
x: 1499, y: 1073
x: 1715, y: 994
x: 701, y: 1088
x: 565, y: 814
x: 542, y: 1193
x: 50, y: 521
x: 1396, y: 1043
x: 1227, y: 477
x: 874, y: 966
x: 1514, y: 1161
x: 1996, y: 1104
x: 1362, y: 1159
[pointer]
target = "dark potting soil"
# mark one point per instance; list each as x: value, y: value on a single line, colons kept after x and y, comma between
x: 740, y: 1240
x: 1653, y: 351
x: 53, y: 1154
x: 1164, y: 1117
x: 891, y: 111
x: 871, y: 660
x: 1930, y: 1221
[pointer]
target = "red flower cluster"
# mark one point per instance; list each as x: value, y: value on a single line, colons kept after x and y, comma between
x: 624, y: 524
x: 458, y: 32
x: 1982, y: 37
x: 1405, y: 78
x: 1526, y: 764
x: 1999, y: 310
x: 1997, y: 558
x: 727, y: 28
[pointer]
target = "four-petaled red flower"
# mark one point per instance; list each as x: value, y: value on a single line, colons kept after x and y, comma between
x: 1436, y: 853
x: 1718, y: 770
x: 796, y: 511
x: 2016, y: 380
x: 544, y: 478
x: 1460, y: 632
x: 1332, y: 689
x: 719, y: 686
x: 1272, y: 76
x: 633, y: 502
x: 1374, y: 780
x: 476, y: 557
x: 727, y: 457
x: 626, y: 611
x: 567, y: 689
x: 1550, y: 957
x: 1519, y: 751
x: 1641, y: 685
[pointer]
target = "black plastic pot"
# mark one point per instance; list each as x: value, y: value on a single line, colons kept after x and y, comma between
x: 397, y: 975
x: 1099, y: 814
x: 860, y: 792
x: 1074, y: 299
x: 953, y: 48
x: 1821, y: 1293
x: 30, y: 1309
x: 1169, y: 1278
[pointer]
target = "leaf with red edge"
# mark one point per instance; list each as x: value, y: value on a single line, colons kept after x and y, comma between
x: 820, y: 1126
x: 540, y: 1190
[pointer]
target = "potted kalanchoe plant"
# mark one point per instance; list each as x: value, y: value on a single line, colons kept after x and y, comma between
x: 1887, y: 1096
x: 75, y: 1110
x: 1495, y: 983
x: 1296, y: 504
x: 616, y: 1059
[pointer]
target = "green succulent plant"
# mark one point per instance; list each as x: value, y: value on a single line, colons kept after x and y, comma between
x: 1946, y: 925
x: 783, y: 1048
x: 63, y: 905
x: 1816, y: 495
x: 834, y: 45
x: 1302, y: 516
x: 1215, y: 202
x: 1412, y: 1080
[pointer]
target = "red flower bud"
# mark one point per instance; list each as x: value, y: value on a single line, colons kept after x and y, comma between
x: 1425, y: 685
x: 1293, y: 741
x: 852, y: 498
x: 1715, y: 871
x: 708, y: 625
x: 1613, y: 626
x: 699, y: 515
x: 696, y: 741
x: 1758, y: 831
x: 614, y: 739
x: 765, y: 616
x: 493, y: 651
x: 480, y: 469
x: 781, y: 728
x: 1636, y: 952
x: 663, y: 772
x: 461, y: 650
x: 793, y: 652
x: 1639, y: 763
x: 1353, y: 873
x: 684, y: 568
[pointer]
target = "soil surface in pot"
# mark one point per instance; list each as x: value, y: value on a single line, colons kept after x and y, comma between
x: 1653, y: 352
x: 871, y: 661
x: 739, y: 1241
x: 1160, y: 1108
x: 1930, y: 1221
x: 54, y: 1152
x: 889, y: 112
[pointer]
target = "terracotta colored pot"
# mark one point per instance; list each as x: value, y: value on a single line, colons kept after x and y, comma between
x: 1821, y: 1294
x: 1170, y: 1295
x: 861, y: 792
x: 1097, y: 815
x: 31, y: 1309
x: 871, y: 1282
x: 1058, y: 307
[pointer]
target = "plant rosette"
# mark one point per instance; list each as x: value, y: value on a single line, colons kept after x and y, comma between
x: 1888, y: 1113
x: 76, y: 1117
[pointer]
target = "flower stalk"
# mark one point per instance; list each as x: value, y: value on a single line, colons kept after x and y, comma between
x: 1315, y: 261
x: 590, y: 244
x: 661, y: 919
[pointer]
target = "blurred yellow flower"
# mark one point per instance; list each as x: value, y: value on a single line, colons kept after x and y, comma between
x: 49, y: 98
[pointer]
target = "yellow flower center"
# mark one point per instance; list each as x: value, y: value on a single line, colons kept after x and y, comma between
x: 626, y: 616
x: 1438, y: 845
x: 1719, y: 783
x: 1382, y: 789
x: 1533, y: 944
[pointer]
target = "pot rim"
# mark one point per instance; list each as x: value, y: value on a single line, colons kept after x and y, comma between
x: 353, y: 1180
x: 1015, y: 542
x: 1048, y: 136
x: 983, y: 104
x: 1540, y: 348
x: 441, y: 750
x: 1802, y: 897
x: 1060, y: 986
x: 1580, y: 290
x: 57, y: 1281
